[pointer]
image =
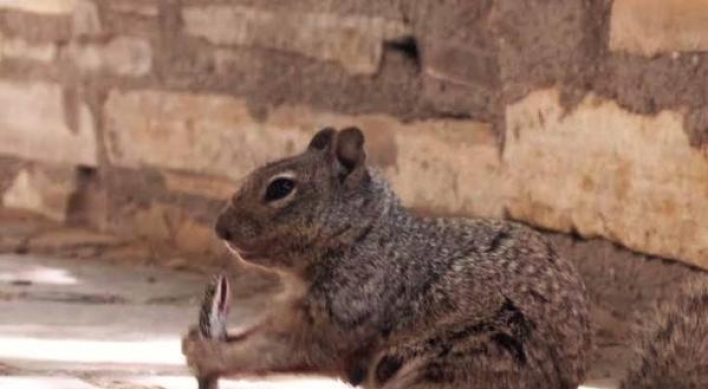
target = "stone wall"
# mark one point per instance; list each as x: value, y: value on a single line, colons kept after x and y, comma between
x: 583, y: 116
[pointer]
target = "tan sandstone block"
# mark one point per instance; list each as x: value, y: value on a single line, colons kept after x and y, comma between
x: 18, y: 48
x: 207, y: 134
x: 448, y: 165
x: 650, y: 27
x: 604, y: 171
x: 85, y: 19
x: 193, y: 237
x: 355, y: 42
x: 34, y: 125
x: 152, y: 223
x: 135, y: 7
x: 172, y: 224
x: 71, y: 238
x: 44, y: 191
x: 40, y: 6
x: 200, y: 185
x: 125, y: 56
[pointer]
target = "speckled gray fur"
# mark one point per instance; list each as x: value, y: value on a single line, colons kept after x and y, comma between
x: 672, y: 344
x: 390, y: 300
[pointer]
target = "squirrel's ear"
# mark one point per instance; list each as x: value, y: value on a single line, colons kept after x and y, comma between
x: 323, y: 139
x: 350, y: 154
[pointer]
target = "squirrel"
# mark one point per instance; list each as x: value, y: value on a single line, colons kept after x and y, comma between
x: 673, y: 342
x: 381, y: 298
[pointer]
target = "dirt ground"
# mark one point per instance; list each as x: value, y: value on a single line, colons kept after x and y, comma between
x: 623, y: 285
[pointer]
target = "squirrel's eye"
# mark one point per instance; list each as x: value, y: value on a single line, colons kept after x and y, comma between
x: 279, y: 188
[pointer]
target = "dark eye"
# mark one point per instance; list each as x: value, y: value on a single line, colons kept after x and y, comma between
x: 279, y: 188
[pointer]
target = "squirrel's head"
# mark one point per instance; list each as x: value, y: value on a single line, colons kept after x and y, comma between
x: 289, y: 209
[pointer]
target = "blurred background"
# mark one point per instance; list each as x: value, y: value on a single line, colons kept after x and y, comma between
x: 126, y: 124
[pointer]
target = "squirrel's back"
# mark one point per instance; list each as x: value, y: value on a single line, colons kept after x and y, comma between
x: 673, y: 346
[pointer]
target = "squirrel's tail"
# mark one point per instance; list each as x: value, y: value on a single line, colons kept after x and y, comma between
x: 672, y: 344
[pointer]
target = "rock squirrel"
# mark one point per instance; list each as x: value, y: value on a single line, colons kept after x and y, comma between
x: 386, y: 299
x: 672, y: 350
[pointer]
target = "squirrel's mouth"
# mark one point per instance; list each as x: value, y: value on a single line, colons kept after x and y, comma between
x: 240, y: 252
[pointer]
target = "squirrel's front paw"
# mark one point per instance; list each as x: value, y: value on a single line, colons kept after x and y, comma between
x: 204, y: 356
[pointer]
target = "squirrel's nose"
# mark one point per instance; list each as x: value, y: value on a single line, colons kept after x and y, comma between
x: 222, y: 228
